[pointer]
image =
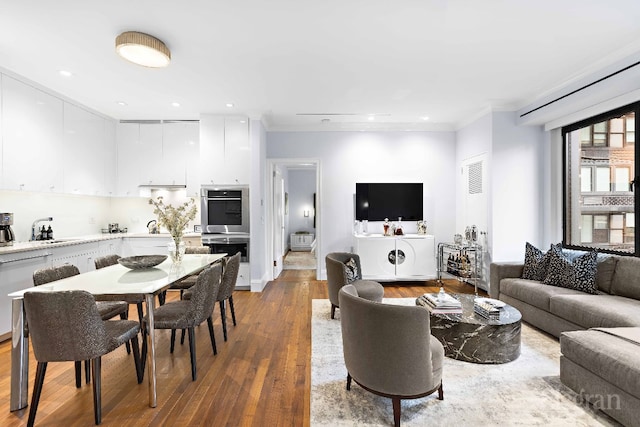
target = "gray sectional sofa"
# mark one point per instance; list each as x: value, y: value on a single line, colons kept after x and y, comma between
x: 599, y: 333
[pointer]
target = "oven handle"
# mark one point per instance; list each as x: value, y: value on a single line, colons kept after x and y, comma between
x: 224, y: 198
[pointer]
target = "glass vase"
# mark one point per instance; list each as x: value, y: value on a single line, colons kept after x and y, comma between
x: 176, y: 250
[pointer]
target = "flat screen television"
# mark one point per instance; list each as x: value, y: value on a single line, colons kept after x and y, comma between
x: 377, y: 201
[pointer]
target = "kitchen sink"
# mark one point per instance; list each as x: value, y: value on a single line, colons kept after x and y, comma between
x: 50, y: 242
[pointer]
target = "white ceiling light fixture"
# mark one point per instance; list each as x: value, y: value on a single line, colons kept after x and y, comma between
x: 143, y: 49
x: 229, y: 105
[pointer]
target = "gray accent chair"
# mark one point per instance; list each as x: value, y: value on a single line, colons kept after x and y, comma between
x: 80, y: 334
x: 107, y: 309
x: 138, y: 299
x: 337, y: 278
x: 389, y: 349
x: 187, y: 314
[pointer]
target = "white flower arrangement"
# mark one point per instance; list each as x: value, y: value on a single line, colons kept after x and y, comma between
x: 174, y: 219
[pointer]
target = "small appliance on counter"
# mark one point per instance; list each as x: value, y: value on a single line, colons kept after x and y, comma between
x: 113, y: 228
x: 6, y: 233
x: 153, y: 228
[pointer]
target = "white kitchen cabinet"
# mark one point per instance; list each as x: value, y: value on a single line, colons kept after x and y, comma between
x: 83, y: 152
x: 155, y: 154
x: 132, y: 246
x: 224, y: 150
x: 410, y: 257
x: 16, y: 273
x: 110, y: 159
x: 32, y: 138
x: 244, y: 277
x: 81, y: 255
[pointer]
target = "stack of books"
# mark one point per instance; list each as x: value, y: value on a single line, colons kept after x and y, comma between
x: 441, y: 303
x: 486, y: 310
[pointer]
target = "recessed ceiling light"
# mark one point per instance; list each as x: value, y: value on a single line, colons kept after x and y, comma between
x: 229, y: 105
x: 371, y: 117
x: 243, y: 121
x: 425, y: 117
x: 175, y: 104
x: 65, y: 73
x: 122, y: 103
x: 143, y: 49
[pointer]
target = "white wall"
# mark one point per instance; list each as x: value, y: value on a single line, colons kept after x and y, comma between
x: 517, y: 187
x: 350, y: 157
x: 257, y: 143
x: 302, y: 186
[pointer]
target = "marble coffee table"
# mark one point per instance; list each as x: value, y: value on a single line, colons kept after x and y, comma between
x: 473, y: 338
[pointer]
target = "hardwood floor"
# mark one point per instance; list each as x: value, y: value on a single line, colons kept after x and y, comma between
x: 261, y: 375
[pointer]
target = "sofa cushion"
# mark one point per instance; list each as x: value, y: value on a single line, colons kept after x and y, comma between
x: 606, y: 269
x: 578, y: 274
x: 606, y: 355
x: 533, y: 292
x: 536, y: 262
x: 626, y: 279
x: 593, y: 311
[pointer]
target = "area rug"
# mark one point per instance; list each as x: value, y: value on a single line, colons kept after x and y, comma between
x: 299, y: 260
x: 525, y: 392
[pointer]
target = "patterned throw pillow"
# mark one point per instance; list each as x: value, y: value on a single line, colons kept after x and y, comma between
x: 351, y: 270
x: 536, y: 262
x: 579, y: 273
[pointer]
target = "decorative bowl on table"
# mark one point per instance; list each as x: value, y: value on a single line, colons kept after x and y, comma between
x: 141, y: 261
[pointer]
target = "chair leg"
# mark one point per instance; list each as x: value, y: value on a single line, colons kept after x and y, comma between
x: 440, y: 392
x: 192, y: 350
x: 136, y: 358
x: 182, y: 338
x: 233, y: 312
x: 140, y: 313
x: 173, y: 340
x: 162, y: 296
x: 333, y: 311
x: 223, y: 316
x: 125, y: 316
x: 37, y: 390
x: 211, y: 335
x: 87, y: 371
x: 96, y: 365
x: 396, y: 411
x: 348, y: 382
x: 78, y: 374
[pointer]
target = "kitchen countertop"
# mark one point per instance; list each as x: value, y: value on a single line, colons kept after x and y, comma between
x: 77, y: 240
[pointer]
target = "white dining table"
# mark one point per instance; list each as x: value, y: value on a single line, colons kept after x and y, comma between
x: 112, y: 280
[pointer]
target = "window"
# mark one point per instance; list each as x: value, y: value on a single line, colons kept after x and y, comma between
x: 600, y: 177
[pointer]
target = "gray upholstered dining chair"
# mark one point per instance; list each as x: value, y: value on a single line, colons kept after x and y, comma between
x: 389, y: 350
x: 107, y: 309
x: 227, y: 286
x: 343, y: 268
x: 188, y: 281
x: 138, y: 299
x: 80, y: 334
x: 187, y: 314
x: 231, y: 268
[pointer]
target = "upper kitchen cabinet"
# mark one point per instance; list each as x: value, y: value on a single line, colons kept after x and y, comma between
x: 156, y: 154
x: 224, y: 150
x: 32, y: 138
x: 83, y: 152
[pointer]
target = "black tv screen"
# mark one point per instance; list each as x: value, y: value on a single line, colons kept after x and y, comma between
x: 377, y: 201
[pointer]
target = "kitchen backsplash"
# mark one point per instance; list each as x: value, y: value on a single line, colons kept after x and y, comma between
x: 76, y: 215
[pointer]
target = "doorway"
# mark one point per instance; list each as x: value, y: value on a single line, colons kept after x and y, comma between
x: 294, y: 215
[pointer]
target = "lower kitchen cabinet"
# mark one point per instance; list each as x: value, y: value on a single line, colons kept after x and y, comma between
x: 16, y: 273
x: 132, y: 246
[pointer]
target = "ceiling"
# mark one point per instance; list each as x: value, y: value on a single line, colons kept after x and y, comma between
x: 324, y: 65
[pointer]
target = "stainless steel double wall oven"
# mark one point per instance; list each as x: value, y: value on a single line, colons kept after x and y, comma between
x: 225, y: 219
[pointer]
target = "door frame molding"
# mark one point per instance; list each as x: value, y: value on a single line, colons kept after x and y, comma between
x: 272, y: 164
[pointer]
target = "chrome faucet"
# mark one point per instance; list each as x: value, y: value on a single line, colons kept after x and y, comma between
x: 33, y: 226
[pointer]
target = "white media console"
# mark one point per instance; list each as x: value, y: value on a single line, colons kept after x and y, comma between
x: 390, y: 258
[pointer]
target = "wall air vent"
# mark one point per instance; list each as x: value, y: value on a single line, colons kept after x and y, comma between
x: 475, y: 178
